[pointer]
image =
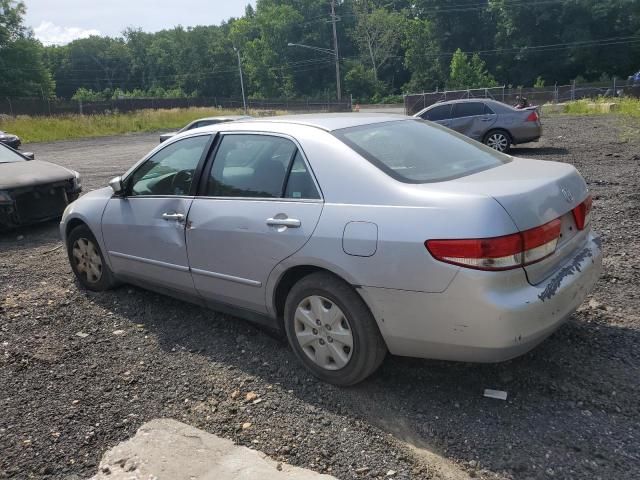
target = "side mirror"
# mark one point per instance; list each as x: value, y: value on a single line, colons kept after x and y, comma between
x: 116, y: 185
x: 29, y: 155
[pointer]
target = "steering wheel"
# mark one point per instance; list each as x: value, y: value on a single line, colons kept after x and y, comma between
x: 181, y: 182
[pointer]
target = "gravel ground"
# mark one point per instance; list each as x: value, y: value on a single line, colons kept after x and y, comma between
x: 80, y: 372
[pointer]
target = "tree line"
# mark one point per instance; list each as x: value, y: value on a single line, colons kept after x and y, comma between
x: 387, y: 47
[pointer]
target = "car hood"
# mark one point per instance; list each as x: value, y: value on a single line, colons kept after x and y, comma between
x: 28, y: 173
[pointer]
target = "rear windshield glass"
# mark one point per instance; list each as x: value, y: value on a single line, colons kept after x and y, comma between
x: 9, y: 156
x: 415, y: 151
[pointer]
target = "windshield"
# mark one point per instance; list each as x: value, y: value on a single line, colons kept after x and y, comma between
x: 8, y: 156
x: 415, y: 151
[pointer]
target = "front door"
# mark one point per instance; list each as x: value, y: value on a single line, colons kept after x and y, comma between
x: 144, y: 230
x: 258, y: 205
x: 440, y: 114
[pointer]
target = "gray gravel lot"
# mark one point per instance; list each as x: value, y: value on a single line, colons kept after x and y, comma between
x: 572, y: 410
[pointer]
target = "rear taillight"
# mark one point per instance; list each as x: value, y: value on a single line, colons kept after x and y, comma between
x: 499, y: 253
x: 533, y: 117
x: 582, y: 213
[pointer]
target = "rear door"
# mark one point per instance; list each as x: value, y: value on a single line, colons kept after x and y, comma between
x: 472, y: 119
x: 258, y: 204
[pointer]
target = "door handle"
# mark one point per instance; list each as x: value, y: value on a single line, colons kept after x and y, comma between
x: 284, y: 222
x: 176, y: 217
x: 487, y: 119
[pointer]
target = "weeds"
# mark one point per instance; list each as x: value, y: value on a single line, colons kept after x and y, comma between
x: 47, y: 129
x: 624, y: 106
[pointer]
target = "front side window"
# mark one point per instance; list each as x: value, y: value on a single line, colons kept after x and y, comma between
x: 414, y: 151
x: 441, y: 112
x: 171, y: 170
x: 258, y: 166
x: 467, y: 109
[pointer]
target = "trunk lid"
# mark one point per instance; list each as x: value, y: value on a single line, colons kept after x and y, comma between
x: 533, y: 192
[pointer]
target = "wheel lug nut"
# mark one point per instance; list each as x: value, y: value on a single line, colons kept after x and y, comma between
x: 328, y: 327
x: 315, y: 331
x: 321, y: 341
x: 318, y: 322
x: 329, y: 339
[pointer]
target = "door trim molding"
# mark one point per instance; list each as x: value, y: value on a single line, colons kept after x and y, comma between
x: 156, y: 263
x: 230, y: 278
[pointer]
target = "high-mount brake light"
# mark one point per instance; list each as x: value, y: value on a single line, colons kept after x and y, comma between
x: 499, y: 253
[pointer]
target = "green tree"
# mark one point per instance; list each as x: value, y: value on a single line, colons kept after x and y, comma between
x: 422, y: 52
x: 378, y: 34
x: 465, y: 73
x: 361, y: 83
x: 23, y: 72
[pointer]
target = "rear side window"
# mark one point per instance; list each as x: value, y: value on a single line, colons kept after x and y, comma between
x: 441, y: 112
x: 261, y: 166
x: 467, y: 109
x: 414, y: 151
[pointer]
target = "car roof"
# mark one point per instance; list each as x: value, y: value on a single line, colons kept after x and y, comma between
x: 329, y: 121
x: 223, y: 117
x: 494, y: 103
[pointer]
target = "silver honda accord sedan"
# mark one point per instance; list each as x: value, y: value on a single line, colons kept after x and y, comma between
x: 357, y: 234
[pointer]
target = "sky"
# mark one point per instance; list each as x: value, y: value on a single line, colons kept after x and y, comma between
x: 56, y: 22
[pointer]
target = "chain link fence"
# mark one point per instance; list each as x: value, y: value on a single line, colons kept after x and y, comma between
x: 52, y: 107
x: 413, y: 103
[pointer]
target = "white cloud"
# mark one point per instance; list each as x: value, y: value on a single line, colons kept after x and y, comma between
x: 50, y: 34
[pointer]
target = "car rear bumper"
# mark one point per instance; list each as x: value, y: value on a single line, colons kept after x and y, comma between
x: 529, y: 132
x: 479, y: 319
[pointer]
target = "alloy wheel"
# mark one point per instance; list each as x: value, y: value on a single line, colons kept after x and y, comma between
x: 498, y: 141
x: 323, y: 332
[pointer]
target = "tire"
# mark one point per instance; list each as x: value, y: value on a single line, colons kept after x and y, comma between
x: 499, y: 140
x: 334, y: 361
x: 87, y: 261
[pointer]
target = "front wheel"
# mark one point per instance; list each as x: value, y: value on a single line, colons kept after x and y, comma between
x: 332, y: 331
x: 87, y: 261
x: 498, y: 140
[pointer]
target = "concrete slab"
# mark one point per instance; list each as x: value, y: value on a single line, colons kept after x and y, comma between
x: 164, y: 449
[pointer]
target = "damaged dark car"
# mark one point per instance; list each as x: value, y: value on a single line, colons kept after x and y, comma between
x: 9, y: 139
x: 33, y: 191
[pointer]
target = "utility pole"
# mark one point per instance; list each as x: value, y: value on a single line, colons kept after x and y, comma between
x: 335, y: 48
x: 244, y: 100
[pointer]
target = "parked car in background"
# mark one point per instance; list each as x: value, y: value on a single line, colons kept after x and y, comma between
x: 33, y: 191
x: 357, y: 234
x: 203, y: 122
x: 493, y: 123
x: 9, y: 139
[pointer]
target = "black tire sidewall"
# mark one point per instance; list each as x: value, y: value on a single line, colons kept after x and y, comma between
x: 106, y: 280
x: 366, y: 337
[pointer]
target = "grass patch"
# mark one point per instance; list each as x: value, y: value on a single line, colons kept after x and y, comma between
x: 47, y: 129
x: 624, y: 106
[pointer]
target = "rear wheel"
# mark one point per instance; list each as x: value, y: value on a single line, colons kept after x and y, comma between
x: 499, y: 140
x: 87, y: 261
x: 332, y: 331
